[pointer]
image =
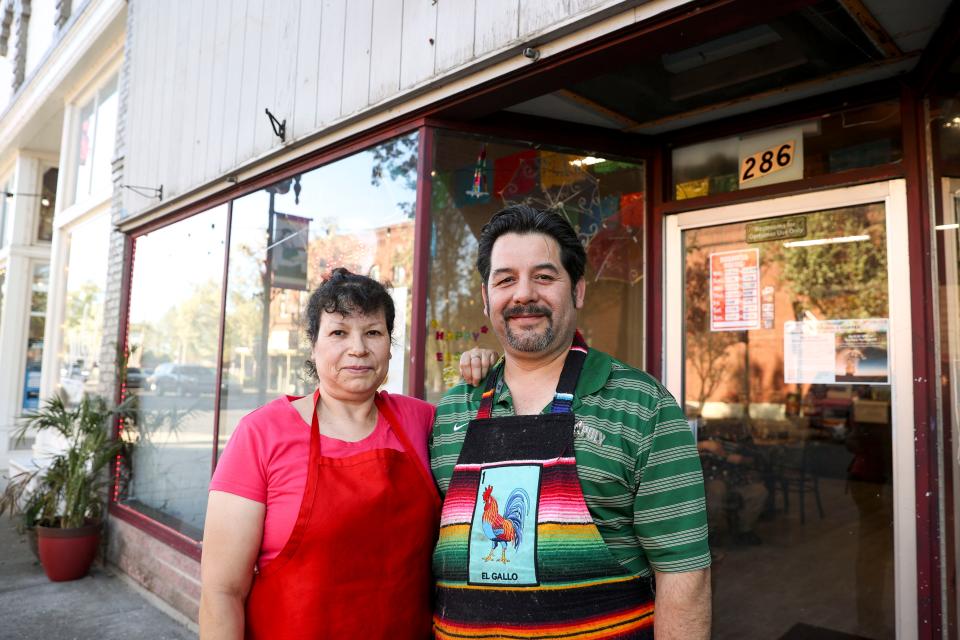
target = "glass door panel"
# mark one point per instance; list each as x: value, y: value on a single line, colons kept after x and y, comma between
x: 787, y: 379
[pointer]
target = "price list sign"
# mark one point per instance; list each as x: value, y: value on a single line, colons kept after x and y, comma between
x: 735, y: 290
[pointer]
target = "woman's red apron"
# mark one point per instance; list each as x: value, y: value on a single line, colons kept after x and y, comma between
x: 357, y: 564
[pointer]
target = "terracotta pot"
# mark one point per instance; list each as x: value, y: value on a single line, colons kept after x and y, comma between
x: 66, y: 554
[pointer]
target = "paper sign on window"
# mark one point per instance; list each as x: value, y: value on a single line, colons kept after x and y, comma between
x: 735, y: 290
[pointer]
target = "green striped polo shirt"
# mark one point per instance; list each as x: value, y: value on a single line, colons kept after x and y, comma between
x: 636, y: 459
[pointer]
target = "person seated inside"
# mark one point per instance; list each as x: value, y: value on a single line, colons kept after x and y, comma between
x: 734, y: 486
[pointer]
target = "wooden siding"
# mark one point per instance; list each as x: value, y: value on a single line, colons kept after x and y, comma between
x: 202, y: 73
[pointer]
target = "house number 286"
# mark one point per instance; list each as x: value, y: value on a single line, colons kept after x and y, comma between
x: 763, y: 163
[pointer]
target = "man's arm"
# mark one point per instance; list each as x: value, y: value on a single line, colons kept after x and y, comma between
x: 683, y: 610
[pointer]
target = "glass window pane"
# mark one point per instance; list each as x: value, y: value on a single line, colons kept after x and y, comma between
x: 39, y: 287
x: 101, y: 180
x: 84, y: 150
x: 172, y: 339
x: 602, y: 198
x: 787, y: 375
x: 356, y: 213
x: 46, y: 204
x: 82, y: 330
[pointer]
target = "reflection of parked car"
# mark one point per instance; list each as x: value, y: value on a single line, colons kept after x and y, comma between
x: 135, y: 378
x: 183, y: 379
x: 31, y: 387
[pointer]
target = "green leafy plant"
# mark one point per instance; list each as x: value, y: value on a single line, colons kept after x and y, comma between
x: 73, y: 489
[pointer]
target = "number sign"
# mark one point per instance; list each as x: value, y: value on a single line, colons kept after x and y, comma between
x: 771, y: 156
x: 768, y: 161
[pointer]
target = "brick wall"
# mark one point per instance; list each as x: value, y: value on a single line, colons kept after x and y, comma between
x: 170, y: 575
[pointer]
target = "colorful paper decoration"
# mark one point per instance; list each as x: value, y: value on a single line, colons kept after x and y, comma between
x: 556, y: 170
x: 615, y: 253
x: 478, y: 188
x: 516, y: 174
x: 631, y: 209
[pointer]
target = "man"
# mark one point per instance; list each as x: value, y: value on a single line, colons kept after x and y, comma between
x: 570, y: 479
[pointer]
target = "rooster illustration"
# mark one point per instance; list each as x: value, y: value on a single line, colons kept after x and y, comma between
x: 506, y: 528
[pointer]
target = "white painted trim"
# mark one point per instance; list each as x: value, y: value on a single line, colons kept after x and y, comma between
x: 59, y: 62
x: 97, y: 74
x: 893, y: 195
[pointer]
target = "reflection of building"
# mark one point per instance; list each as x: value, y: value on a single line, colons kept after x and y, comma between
x: 634, y: 120
x: 58, y: 100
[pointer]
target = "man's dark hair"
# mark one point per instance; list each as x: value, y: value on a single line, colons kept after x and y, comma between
x: 521, y: 218
x: 346, y: 293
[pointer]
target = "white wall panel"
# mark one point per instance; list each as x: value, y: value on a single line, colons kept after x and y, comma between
x: 203, y: 72
x: 273, y: 51
x: 144, y: 154
x: 307, y: 69
x: 189, y: 99
x: 419, y: 41
x: 356, y: 56
x: 211, y: 55
x: 253, y: 56
x: 455, y: 33
x: 330, y: 82
x: 577, y: 6
x: 169, y: 47
x: 539, y: 14
x: 496, y: 24
x: 385, y: 48
x: 224, y: 69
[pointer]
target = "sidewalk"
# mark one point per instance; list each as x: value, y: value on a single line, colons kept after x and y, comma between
x: 99, y: 607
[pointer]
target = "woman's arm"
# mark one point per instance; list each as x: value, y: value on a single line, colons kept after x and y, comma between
x: 231, y: 541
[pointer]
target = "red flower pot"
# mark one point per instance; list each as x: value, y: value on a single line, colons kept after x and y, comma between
x: 66, y: 554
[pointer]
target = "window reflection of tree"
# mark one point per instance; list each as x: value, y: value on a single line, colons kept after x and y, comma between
x: 840, y: 280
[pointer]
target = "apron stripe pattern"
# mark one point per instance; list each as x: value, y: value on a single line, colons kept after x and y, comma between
x: 518, y: 554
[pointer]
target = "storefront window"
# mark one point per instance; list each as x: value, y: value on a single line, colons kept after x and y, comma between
x: 82, y: 330
x: 356, y: 213
x: 284, y: 240
x: 172, y: 339
x: 39, y: 287
x: 96, y: 130
x: 851, y: 139
x: 603, y: 198
x: 47, y: 203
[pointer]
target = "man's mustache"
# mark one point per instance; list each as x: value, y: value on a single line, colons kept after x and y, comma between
x: 527, y: 310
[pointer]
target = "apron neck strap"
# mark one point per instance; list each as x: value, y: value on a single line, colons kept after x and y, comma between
x: 562, y: 398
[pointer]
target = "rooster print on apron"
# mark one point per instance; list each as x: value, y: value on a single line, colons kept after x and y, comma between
x: 518, y: 555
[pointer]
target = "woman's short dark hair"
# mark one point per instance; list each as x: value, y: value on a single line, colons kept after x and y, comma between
x: 521, y: 218
x: 346, y: 293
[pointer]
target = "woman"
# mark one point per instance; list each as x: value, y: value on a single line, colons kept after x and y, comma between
x: 322, y: 512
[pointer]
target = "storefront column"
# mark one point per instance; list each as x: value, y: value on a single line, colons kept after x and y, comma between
x: 15, y: 318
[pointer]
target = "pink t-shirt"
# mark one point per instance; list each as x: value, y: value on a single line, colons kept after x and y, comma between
x: 267, y: 457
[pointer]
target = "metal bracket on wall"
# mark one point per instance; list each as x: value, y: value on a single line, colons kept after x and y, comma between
x: 143, y: 191
x: 279, y: 128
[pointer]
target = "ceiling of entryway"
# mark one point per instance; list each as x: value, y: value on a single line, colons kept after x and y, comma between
x: 825, y: 46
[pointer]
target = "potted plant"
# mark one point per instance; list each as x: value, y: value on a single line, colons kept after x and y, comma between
x: 66, y: 501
